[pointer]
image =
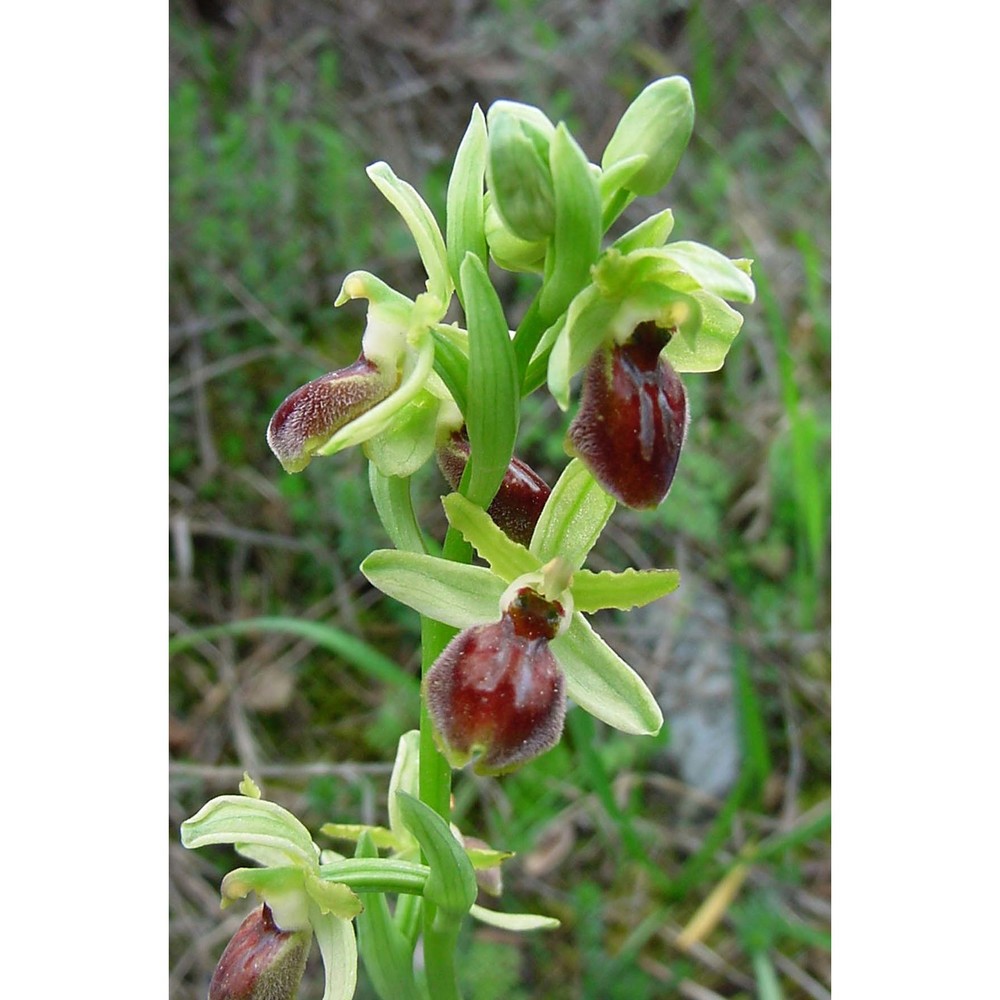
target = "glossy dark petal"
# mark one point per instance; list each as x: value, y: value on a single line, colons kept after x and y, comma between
x: 498, y: 689
x: 314, y: 412
x: 520, y: 498
x: 632, y: 419
x: 261, y: 962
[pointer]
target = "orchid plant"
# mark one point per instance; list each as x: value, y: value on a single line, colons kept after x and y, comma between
x: 506, y: 644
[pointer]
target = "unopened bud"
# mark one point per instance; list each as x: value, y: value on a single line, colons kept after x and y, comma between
x: 261, y: 962
x: 632, y: 419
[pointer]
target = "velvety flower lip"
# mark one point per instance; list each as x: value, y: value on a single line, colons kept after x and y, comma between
x: 314, y: 412
x: 498, y: 688
x: 632, y: 419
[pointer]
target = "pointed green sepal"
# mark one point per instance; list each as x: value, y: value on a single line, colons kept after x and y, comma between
x: 713, y: 271
x: 260, y: 830
x: 422, y: 224
x: 339, y: 949
x: 514, y: 921
x: 573, y: 517
x: 448, y: 592
x: 602, y: 683
x: 465, y: 222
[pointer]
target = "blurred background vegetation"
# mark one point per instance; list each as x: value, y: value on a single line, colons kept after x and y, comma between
x: 696, y: 864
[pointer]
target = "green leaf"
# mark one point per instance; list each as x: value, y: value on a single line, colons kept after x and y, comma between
x: 514, y: 921
x: 494, y: 396
x: 260, y: 830
x: 451, y: 884
x: 339, y: 949
x: 355, y: 651
x: 573, y: 517
x: 394, y: 504
x: 385, y: 952
x: 715, y: 272
x: 629, y: 589
x: 508, y: 559
x: 422, y: 224
x: 465, y: 220
x: 448, y: 592
x: 576, y: 240
x: 602, y: 683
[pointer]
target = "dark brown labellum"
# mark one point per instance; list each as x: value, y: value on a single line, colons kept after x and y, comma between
x: 314, y: 412
x: 261, y: 962
x: 632, y: 419
x: 497, y: 688
x: 518, y: 503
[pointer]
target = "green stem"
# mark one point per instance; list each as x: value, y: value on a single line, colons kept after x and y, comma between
x: 440, y: 939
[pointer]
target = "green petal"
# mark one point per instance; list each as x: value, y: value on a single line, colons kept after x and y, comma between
x: 333, y: 897
x: 508, y: 559
x: 630, y: 589
x: 281, y: 888
x: 394, y: 504
x: 573, y: 517
x: 339, y: 949
x: 514, y: 921
x: 259, y: 829
x: 422, y: 224
x: 451, y: 884
x: 602, y: 683
x: 653, y: 232
x: 448, y: 592
x: 380, y: 836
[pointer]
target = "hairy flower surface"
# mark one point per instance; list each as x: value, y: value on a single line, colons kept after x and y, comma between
x: 498, y: 688
x: 632, y: 419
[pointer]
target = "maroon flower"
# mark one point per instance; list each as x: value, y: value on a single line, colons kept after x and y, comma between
x: 314, y: 412
x: 520, y: 498
x: 497, y: 688
x: 632, y: 419
x: 261, y: 962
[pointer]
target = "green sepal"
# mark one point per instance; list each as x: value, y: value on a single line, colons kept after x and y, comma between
x: 573, y: 517
x: 422, y: 224
x: 372, y: 875
x: 483, y: 858
x: 629, y: 589
x: 260, y: 830
x: 465, y: 220
x: 706, y: 351
x: 508, y: 559
x: 451, y: 365
x: 576, y: 240
x: 406, y: 778
x: 614, y: 196
x: 283, y: 889
x: 658, y: 123
x: 394, y: 504
x: 272, y: 884
x: 449, y: 592
x: 514, y: 921
x: 494, y: 396
x: 713, y: 271
x: 602, y: 683
x: 451, y: 884
x: 339, y: 949
x: 384, y: 950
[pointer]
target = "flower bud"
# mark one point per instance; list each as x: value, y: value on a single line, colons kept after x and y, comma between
x: 632, y: 419
x: 497, y: 688
x: 520, y: 498
x: 314, y: 412
x: 658, y: 123
x: 261, y: 962
x: 518, y: 172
